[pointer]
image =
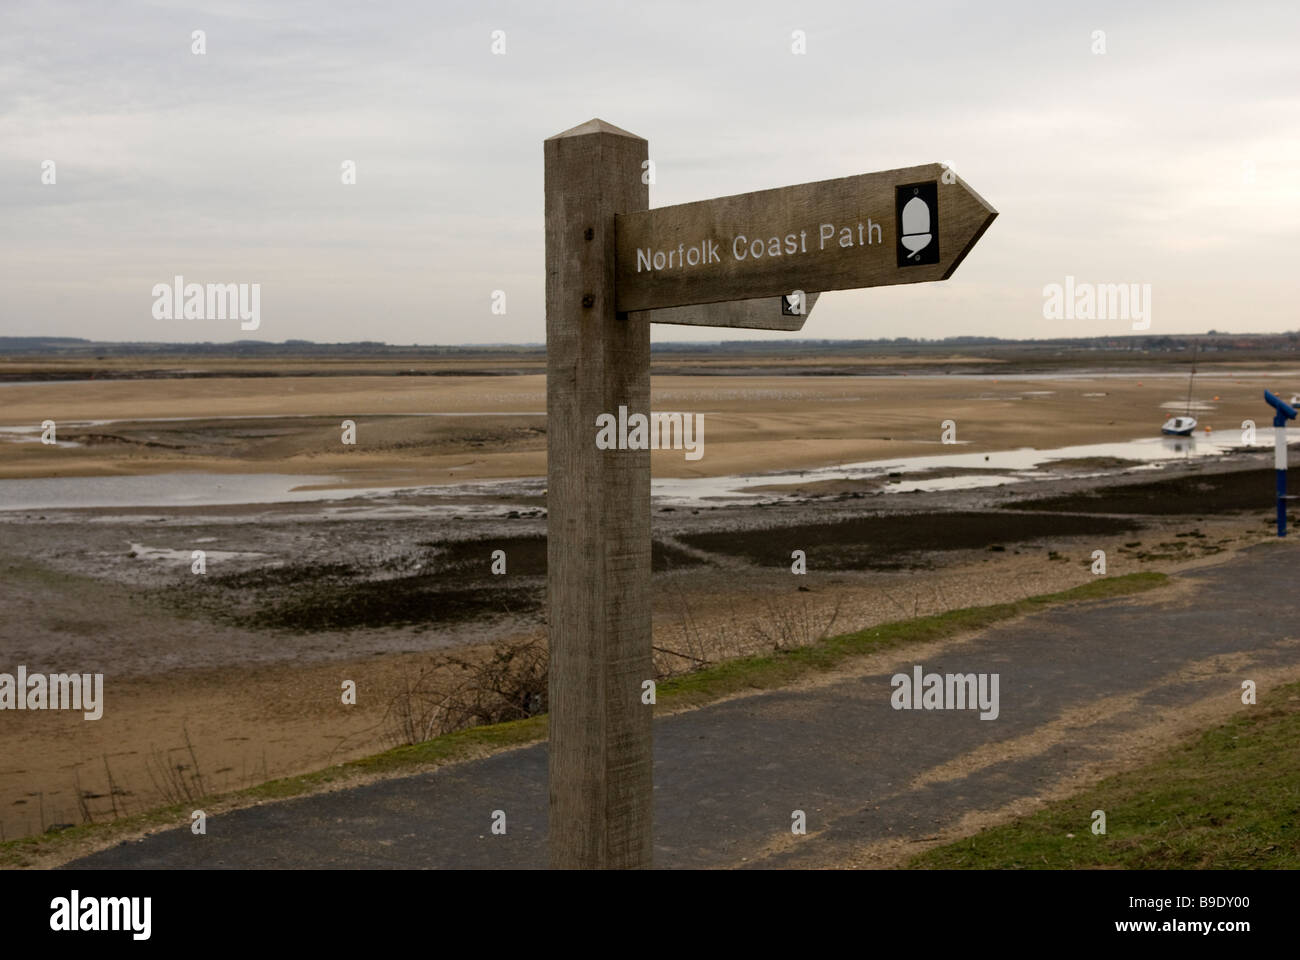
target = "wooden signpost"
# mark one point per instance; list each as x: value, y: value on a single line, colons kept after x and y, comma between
x: 613, y: 267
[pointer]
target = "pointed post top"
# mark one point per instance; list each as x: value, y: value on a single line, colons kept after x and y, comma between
x: 594, y: 125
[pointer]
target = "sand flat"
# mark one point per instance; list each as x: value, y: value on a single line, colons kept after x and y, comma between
x: 752, y: 423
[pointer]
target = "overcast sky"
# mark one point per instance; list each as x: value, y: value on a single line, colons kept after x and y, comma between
x: 1172, y: 159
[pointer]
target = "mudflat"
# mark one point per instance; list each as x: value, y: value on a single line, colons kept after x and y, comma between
x: 234, y: 676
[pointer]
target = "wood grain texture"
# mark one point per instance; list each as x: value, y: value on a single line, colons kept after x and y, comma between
x: 598, y: 511
x: 761, y: 314
x: 963, y: 217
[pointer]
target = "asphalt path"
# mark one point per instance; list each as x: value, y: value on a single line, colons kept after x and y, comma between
x: 1076, y: 683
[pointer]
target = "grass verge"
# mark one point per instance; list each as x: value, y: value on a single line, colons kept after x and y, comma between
x: 1227, y: 799
x: 783, y: 667
x: 763, y: 672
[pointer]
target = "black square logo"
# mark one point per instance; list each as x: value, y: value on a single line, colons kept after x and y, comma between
x: 916, y: 220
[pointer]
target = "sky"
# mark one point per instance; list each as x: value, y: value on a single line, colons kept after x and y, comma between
x: 1170, y: 159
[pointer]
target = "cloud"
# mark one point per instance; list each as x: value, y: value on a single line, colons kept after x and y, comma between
x: 1132, y: 166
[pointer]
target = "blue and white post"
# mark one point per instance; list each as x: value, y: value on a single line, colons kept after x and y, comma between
x: 1283, y: 412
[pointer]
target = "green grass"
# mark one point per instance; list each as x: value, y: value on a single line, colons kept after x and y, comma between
x: 762, y: 672
x: 783, y: 667
x: 1227, y: 799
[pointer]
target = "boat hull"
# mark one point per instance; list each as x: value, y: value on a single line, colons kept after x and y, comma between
x: 1179, y: 427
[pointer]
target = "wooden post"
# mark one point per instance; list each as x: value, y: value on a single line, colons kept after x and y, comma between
x: 598, y: 510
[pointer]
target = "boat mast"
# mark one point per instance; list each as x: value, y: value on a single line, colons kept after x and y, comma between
x: 1195, y: 349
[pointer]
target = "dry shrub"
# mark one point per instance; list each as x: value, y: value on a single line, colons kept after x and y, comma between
x: 785, y: 625
x: 781, y: 624
x: 456, y: 692
x: 510, y: 683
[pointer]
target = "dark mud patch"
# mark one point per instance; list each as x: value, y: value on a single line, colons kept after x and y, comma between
x: 99, y: 439
x: 1082, y: 464
x: 898, y: 541
x: 439, y: 584
x: 1193, y: 495
x: 850, y: 486
x: 407, y: 601
x: 285, y: 576
x: 526, y: 556
x: 333, y: 598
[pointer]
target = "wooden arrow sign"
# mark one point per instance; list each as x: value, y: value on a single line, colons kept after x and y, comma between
x: 769, y: 313
x: 896, y: 226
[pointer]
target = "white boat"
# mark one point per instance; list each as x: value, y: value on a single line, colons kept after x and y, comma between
x: 1184, y: 425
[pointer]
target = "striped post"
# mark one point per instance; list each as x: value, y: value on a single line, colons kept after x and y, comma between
x: 1283, y: 412
x: 1279, y: 468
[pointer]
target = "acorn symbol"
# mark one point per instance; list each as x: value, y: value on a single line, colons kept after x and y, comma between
x: 916, y: 226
